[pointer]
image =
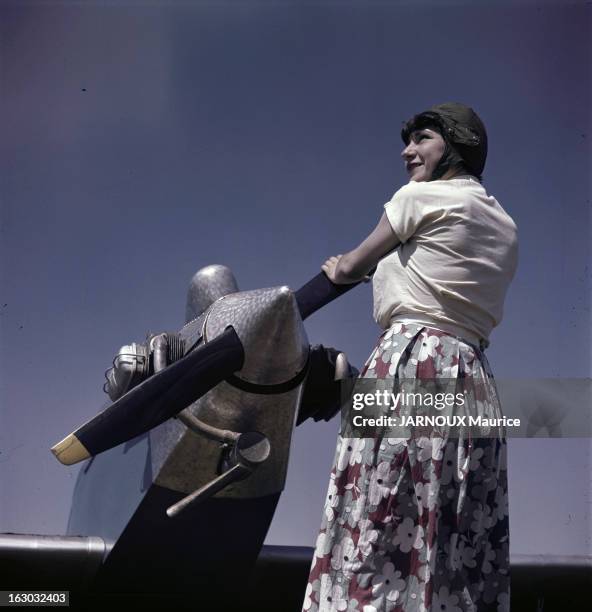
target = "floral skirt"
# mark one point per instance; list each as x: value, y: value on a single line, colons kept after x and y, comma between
x: 419, y: 523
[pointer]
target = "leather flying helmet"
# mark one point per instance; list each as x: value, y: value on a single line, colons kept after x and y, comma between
x: 463, y: 132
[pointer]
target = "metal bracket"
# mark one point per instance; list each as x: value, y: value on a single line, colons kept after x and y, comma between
x: 248, y: 451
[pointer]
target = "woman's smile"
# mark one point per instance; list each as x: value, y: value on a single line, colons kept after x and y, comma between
x: 423, y: 153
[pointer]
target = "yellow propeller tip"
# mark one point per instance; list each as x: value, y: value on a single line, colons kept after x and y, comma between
x: 70, y: 450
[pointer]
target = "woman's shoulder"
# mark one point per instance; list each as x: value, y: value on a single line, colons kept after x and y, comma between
x: 420, y: 190
x: 441, y: 191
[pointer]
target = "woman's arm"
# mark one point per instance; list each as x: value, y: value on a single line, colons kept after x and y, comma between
x: 355, y: 265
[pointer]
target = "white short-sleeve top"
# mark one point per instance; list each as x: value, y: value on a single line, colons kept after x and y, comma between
x: 458, y: 255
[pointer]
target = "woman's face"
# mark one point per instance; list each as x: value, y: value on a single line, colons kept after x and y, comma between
x: 422, y: 154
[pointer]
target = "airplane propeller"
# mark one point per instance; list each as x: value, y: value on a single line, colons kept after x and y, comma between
x: 175, y: 387
x: 155, y: 400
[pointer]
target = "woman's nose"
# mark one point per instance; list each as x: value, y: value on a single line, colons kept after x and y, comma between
x: 407, y: 152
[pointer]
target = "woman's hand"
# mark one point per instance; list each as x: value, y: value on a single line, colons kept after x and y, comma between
x: 335, y: 272
x: 330, y: 268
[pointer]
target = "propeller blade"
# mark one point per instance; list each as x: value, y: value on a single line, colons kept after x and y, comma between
x: 318, y: 292
x: 156, y: 399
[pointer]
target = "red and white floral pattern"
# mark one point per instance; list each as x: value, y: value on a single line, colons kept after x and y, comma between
x: 417, y: 524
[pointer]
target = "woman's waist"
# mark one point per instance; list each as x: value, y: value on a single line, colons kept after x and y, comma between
x: 459, y: 331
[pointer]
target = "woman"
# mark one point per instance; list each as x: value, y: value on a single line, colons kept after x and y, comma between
x: 421, y: 522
